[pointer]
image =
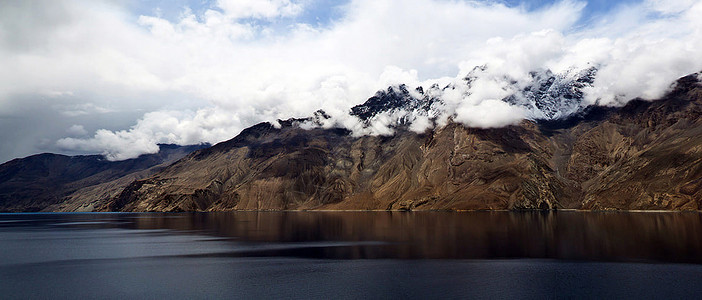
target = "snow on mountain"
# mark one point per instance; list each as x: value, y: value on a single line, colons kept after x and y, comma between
x: 543, y: 95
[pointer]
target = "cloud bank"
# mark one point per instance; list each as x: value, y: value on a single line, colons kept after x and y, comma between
x: 206, y: 75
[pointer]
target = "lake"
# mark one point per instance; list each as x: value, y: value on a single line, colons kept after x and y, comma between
x: 351, y: 255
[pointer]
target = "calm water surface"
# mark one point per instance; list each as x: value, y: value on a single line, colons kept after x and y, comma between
x: 365, y: 255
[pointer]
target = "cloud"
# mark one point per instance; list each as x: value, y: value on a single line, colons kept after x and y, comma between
x: 73, y: 110
x: 76, y: 130
x: 490, y: 113
x: 205, y: 76
x: 668, y: 7
x: 161, y: 127
x: 640, y: 63
x: 644, y: 62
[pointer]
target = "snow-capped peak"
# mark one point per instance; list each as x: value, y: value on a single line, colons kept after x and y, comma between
x: 542, y: 95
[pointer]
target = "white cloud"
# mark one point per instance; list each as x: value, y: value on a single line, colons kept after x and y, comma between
x: 490, y: 114
x: 669, y: 6
x: 73, y: 110
x: 205, y: 77
x: 76, y: 131
x: 644, y: 62
x: 161, y: 127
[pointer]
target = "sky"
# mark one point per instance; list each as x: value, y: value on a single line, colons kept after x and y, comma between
x: 117, y: 77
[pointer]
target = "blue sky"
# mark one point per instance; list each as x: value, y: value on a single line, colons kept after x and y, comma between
x: 316, y: 12
x: 321, y: 12
x: 593, y: 7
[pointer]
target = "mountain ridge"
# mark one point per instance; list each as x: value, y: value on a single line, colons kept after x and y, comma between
x: 453, y: 167
x: 543, y: 95
x: 644, y: 155
x: 39, y: 181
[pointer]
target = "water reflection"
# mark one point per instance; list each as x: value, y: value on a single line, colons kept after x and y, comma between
x: 608, y: 236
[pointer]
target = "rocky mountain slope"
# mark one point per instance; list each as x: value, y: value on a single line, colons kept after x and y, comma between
x: 645, y: 155
x: 47, y: 181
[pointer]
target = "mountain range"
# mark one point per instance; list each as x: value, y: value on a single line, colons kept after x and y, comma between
x: 51, y: 181
x: 645, y: 155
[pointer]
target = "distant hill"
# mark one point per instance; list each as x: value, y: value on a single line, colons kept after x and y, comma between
x: 36, y: 182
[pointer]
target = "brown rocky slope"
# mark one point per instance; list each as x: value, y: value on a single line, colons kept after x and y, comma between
x: 646, y: 155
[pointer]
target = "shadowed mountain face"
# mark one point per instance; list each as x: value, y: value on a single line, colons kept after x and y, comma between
x: 646, y: 155
x: 40, y: 181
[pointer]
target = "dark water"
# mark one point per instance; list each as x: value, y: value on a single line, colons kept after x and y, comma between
x: 364, y: 255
